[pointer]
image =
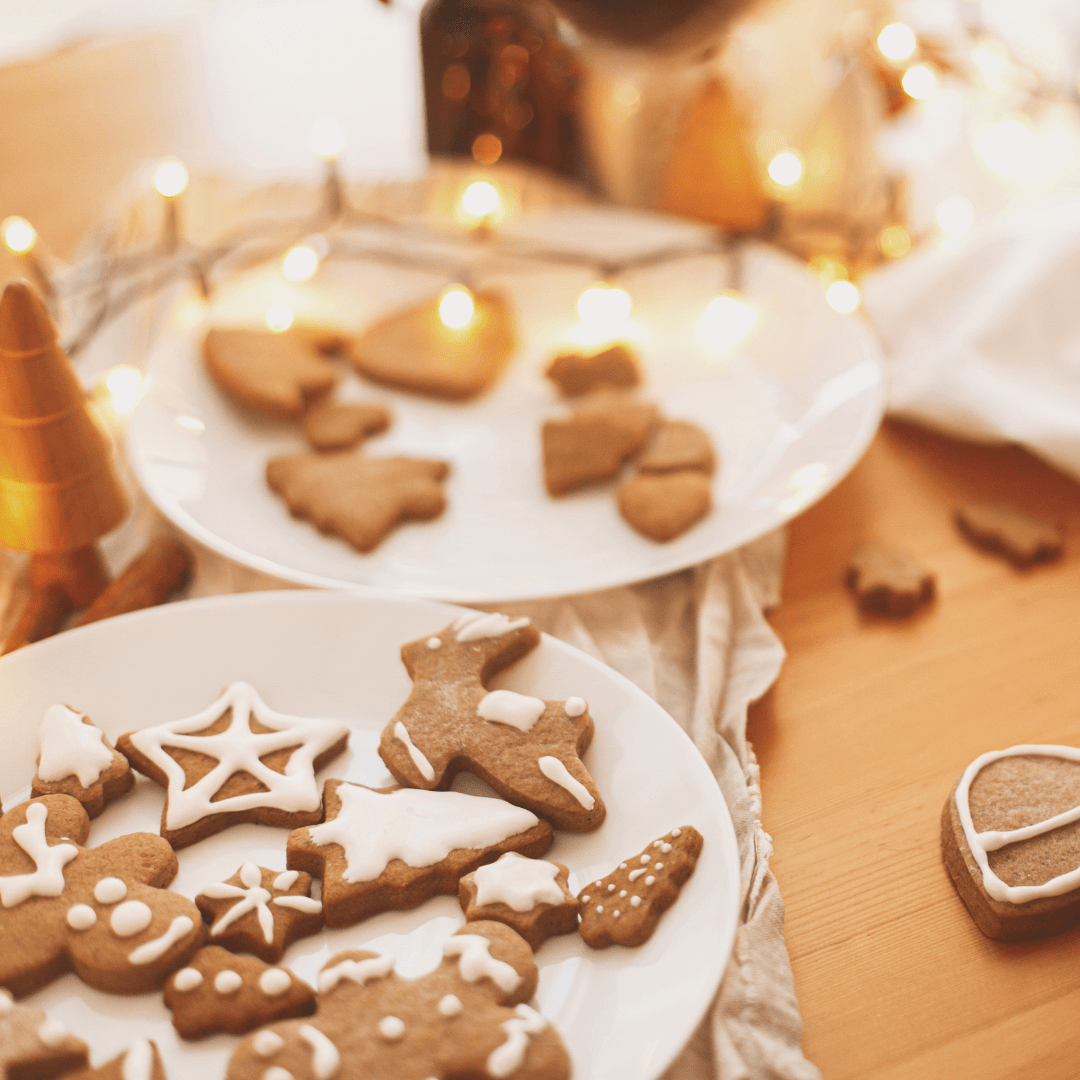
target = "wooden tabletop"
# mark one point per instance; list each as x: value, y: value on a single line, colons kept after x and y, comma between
x: 871, y: 721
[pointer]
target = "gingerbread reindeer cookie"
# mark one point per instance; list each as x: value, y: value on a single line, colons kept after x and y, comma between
x: 391, y: 850
x: 77, y: 760
x: 526, y: 749
x: 104, y: 912
x: 140, y: 1061
x: 34, y: 1047
x: 467, y: 1018
x: 236, y: 761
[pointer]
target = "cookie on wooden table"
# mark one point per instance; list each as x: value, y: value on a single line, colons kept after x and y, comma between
x: 677, y: 445
x: 613, y: 368
x: 1016, y: 535
x: 663, y: 506
x: 888, y: 581
x: 33, y: 1047
x: 342, y: 425
x: 140, y: 1061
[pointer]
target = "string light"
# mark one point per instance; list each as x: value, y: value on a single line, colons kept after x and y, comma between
x: 896, y: 41
x: 842, y: 296
x: 456, y: 307
x: 124, y: 384
x: 327, y: 139
x: 919, y: 82
x: 300, y: 263
x: 954, y: 216
x: 727, y: 320
x: 894, y: 241
x: 279, y: 317
x: 19, y: 235
x: 481, y: 200
x: 604, y: 307
x: 170, y: 178
x: 786, y: 168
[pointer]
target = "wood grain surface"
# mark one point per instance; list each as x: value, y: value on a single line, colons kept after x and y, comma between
x: 872, y: 720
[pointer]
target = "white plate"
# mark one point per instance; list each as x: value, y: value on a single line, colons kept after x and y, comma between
x: 790, y: 413
x: 623, y: 1013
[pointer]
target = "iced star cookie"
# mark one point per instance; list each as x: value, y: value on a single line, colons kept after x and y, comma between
x: 140, y: 1061
x: 527, y: 749
x: 1010, y: 838
x: 260, y: 911
x: 467, y: 1018
x: 218, y: 991
x: 33, y: 1047
x: 528, y: 895
x: 104, y: 913
x: 392, y: 850
x: 624, y: 908
x: 236, y: 761
x: 77, y: 760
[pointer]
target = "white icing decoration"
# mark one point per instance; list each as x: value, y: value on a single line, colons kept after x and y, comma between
x: 622, y: 866
x: 575, y: 706
x: 434, y: 643
x: 49, y: 862
x: 676, y: 832
x: 81, y: 917
x: 391, y: 1028
x: 299, y: 903
x: 622, y: 892
x: 649, y: 880
x: 611, y: 888
x: 665, y: 848
x: 600, y: 908
x: 360, y: 972
x: 506, y: 707
x: 130, y: 918
x: 635, y: 874
x: 325, y: 1059
x: 52, y: 1033
x: 267, y: 1043
x: 586, y: 899
x: 251, y: 896
x: 644, y: 859
x: 7, y: 1002
x: 476, y: 962
x: 659, y: 866
x: 616, y: 913
x: 518, y: 882
x: 228, y: 981
x: 401, y: 732
x: 286, y: 880
x: 477, y: 625
x: 138, y: 1061
x: 980, y: 844
x: 238, y: 749
x: 274, y: 982
x: 71, y: 748
x: 635, y: 901
x: 419, y: 827
x: 558, y: 773
x: 187, y: 979
x: 509, y: 1056
x: 276, y: 1072
x: 153, y: 950
x: 110, y: 890
x: 450, y: 1005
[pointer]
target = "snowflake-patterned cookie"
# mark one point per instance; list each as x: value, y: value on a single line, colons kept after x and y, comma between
x: 236, y: 761
x: 32, y: 1045
x: 260, y: 911
x: 140, y: 1061
x: 467, y: 1018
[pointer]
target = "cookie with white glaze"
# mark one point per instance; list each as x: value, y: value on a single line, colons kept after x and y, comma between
x: 33, y: 1047
x: 392, y: 849
x: 467, y: 1018
x: 526, y: 748
x: 624, y: 908
x: 217, y: 991
x: 528, y: 895
x: 140, y: 1061
x: 77, y: 759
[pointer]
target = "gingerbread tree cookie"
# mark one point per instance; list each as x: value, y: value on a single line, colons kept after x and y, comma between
x: 35, y: 1047
x: 467, y: 1018
x: 625, y: 907
x: 140, y: 1061
x: 104, y: 912
x: 236, y: 761
x: 77, y: 760
x: 218, y: 991
x: 528, y: 895
x: 393, y: 849
x: 526, y: 749
x: 260, y: 911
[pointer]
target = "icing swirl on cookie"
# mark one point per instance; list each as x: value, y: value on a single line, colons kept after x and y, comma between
x: 477, y: 625
x: 559, y: 774
x: 47, y: 878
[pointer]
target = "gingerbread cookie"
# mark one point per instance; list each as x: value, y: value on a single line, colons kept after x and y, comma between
x: 236, y: 761
x: 390, y: 850
x: 527, y: 749
x: 467, y: 1018
x: 104, y: 913
x: 613, y: 368
x: 1018, y: 536
x: 624, y: 908
x: 677, y: 445
x: 1010, y: 836
x: 77, y: 760
x: 529, y: 895
x: 360, y: 499
x: 140, y: 1061
x: 273, y: 374
x: 341, y: 425
x: 260, y: 911
x: 665, y: 505
x: 218, y: 991
x: 33, y: 1047
x: 414, y: 350
x: 888, y: 581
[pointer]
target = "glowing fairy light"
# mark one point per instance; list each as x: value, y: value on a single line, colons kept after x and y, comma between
x: 170, y: 178
x: 894, y: 241
x: 279, y: 317
x: 896, y: 41
x: 954, y: 216
x: 786, y: 168
x: 481, y: 200
x: 727, y: 320
x: 327, y: 139
x: 124, y: 384
x: 604, y: 307
x: 842, y: 296
x: 19, y: 235
x: 300, y: 263
x: 456, y: 307
x: 919, y: 82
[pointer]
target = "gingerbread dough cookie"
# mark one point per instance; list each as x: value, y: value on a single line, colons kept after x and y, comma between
x: 140, y: 1061
x: 525, y: 748
x: 613, y: 368
x: 414, y: 350
x: 273, y: 374
x: 77, y: 760
x: 104, y: 913
x: 218, y: 991
x: 341, y: 425
x: 236, y: 761
x: 677, y: 445
x: 1018, y: 536
x: 467, y: 1018
x: 666, y: 505
x: 392, y: 849
x: 33, y: 1047
x: 360, y: 499
x: 528, y: 895
x: 888, y: 581
x: 1010, y: 837
x: 260, y: 911
x: 624, y: 908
